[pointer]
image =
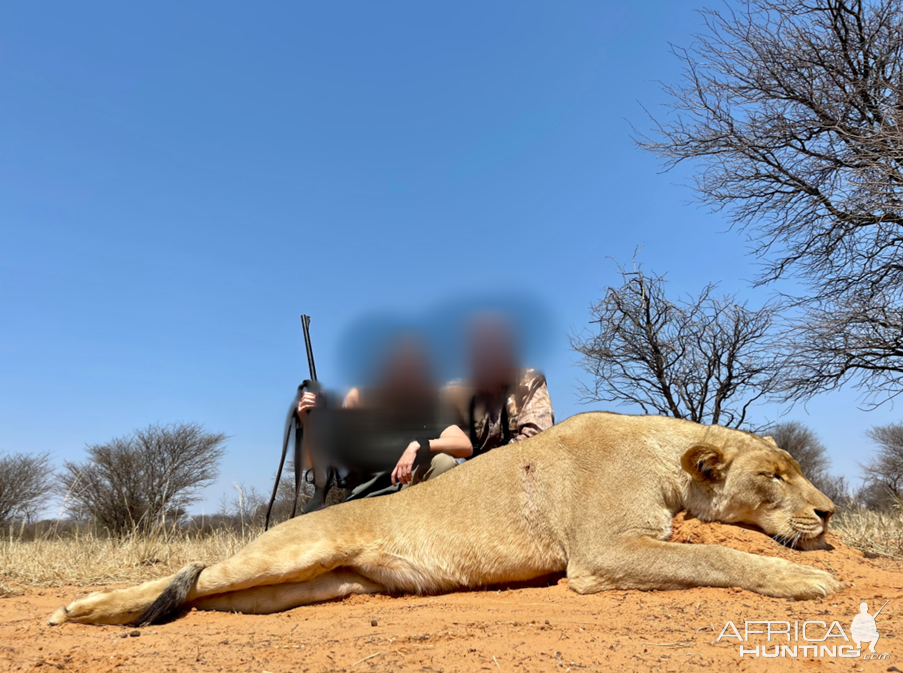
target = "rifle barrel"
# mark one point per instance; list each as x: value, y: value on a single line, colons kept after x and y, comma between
x: 312, y: 366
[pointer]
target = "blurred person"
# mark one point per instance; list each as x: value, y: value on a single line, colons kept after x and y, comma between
x: 501, y: 403
x: 406, y: 415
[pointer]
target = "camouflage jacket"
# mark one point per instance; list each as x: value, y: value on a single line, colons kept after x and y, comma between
x: 526, y: 406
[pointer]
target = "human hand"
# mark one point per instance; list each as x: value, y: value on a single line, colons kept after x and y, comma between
x: 308, y: 402
x: 403, y: 471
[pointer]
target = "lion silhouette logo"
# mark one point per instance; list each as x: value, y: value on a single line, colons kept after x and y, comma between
x: 863, y: 629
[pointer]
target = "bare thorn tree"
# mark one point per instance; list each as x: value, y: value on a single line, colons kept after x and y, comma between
x: 144, y: 479
x: 792, y: 111
x: 884, y: 472
x: 706, y: 358
x: 853, y: 338
x: 25, y: 482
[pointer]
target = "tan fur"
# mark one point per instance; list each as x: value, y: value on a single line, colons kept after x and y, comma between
x: 593, y: 496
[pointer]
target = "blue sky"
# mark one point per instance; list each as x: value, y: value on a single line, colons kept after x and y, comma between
x: 179, y: 181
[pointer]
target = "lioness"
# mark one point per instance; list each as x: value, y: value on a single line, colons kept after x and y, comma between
x: 593, y: 496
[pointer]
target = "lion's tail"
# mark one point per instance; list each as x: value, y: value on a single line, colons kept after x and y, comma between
x: 170, y: 601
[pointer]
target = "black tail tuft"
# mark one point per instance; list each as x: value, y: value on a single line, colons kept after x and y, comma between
x: 170, y: 601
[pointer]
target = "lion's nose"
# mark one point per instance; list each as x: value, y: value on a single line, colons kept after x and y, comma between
x: 824, y: 515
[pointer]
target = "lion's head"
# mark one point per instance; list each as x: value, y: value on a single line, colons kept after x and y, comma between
x: 750, y: 480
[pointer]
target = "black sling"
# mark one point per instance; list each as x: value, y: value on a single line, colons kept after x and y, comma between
x: 506, y: 431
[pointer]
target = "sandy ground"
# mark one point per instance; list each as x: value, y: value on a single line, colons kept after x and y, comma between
x: 545, y: 628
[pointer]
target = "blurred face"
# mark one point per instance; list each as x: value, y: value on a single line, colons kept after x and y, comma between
x: 493, y: 362
x: 407, y: 368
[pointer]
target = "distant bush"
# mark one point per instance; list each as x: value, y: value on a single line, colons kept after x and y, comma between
x: 144, y: 480
x: 25, y: 482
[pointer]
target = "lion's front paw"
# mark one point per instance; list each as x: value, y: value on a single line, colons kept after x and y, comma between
x: 801, y: 582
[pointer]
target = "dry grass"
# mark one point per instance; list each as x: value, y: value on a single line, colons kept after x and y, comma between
x: 92, y: 560
x: 66, y: 556
x: 873, y: 533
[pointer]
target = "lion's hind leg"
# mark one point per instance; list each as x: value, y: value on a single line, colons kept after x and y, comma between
x: 275, y: 558
x: 278, y: 597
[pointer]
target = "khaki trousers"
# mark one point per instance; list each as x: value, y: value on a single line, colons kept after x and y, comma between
x: 439, y: 464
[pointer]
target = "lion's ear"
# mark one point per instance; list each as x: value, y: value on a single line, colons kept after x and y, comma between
x: 770, y: 440
x: 704, y: 462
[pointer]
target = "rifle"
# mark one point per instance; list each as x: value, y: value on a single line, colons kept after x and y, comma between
x: 293, y: 423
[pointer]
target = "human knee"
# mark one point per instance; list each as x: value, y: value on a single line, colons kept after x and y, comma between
x: 441, y: 462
